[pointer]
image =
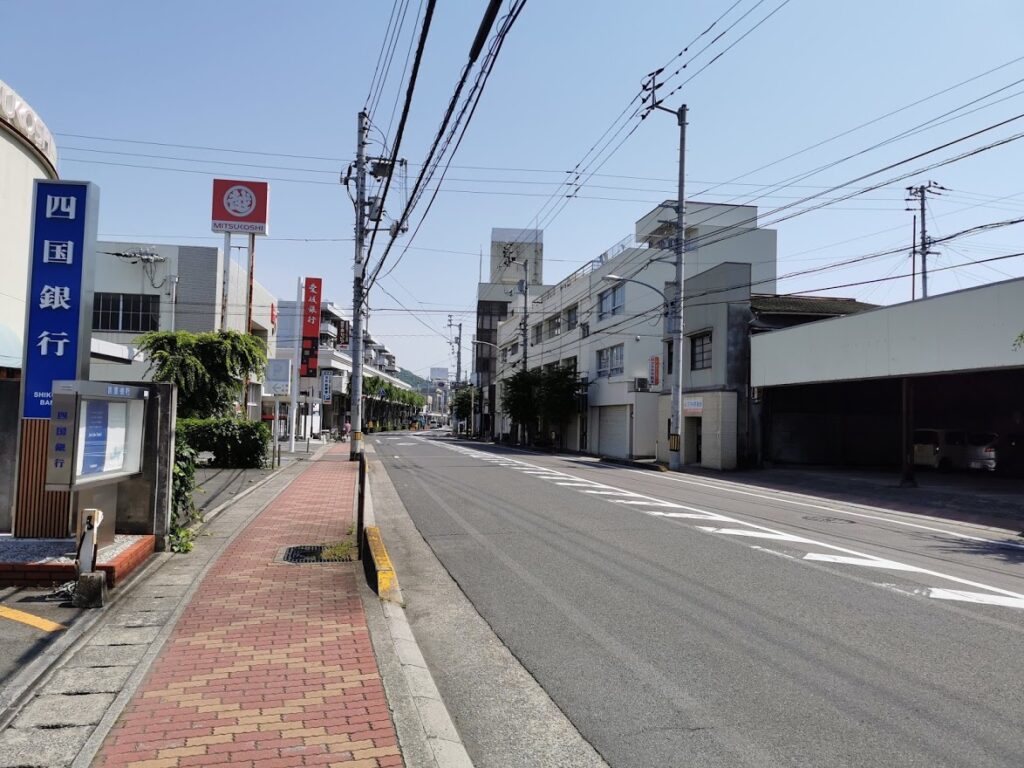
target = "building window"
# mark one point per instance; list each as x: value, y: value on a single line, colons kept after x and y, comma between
x: 700, y: 352
x: 572, y: 317
x: 128, y: 312
x: 569, y: 364
x: 611, y: 302
x: 609, y: 360
x: 552, y: 327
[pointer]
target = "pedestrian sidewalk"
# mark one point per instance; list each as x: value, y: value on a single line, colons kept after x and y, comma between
x: 271, y: 663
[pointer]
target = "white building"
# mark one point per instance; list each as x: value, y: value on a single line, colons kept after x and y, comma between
x: 141, y: 287
x: 27, y: 153
x: 614, y: 332
x: 334, y: 359
x: 516, y: 269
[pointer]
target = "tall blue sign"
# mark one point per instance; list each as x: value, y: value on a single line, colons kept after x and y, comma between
x: 58, y: 329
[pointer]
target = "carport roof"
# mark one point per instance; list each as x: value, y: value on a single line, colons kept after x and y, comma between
x: 807, y: 305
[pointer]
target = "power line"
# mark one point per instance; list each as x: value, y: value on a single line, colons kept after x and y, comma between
x: 866, y: 124
x: 461, y: 124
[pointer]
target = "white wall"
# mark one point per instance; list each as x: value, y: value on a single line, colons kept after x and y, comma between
x: 117, y: 275
x: 966, y: 330
x: 19, y: 167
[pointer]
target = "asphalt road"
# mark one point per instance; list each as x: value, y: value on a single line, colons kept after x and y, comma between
x: 686, y: 621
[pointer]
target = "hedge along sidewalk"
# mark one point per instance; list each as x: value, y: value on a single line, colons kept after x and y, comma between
x: 271, y: 663
x: 234, y: 442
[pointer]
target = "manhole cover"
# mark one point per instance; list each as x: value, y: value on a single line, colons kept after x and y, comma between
x: 311, y: 554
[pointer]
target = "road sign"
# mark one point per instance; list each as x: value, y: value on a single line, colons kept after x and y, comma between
x: 278, y: 377
x: 325, y: 385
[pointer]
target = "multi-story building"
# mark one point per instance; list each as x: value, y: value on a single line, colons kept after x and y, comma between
x: 608, y: 321
x: 333, y: 359
x: 721, y: 420
x: 516, y: 274
x: 141, y: 287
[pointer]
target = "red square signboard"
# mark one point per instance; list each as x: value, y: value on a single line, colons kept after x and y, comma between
x: 240, y: 206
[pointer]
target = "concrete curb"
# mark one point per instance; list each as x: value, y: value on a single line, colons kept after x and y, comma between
x: 442, y: 737
x: 418, y: 703
x: 380, y: 573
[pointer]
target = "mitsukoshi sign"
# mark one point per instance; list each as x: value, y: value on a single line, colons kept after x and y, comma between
x: 240, y: 206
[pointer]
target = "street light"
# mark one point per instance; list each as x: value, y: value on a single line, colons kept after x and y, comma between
x: 675, y: 457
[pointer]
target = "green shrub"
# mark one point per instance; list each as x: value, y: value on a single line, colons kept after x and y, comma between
x: 183, y: 509
x: 234, y: 443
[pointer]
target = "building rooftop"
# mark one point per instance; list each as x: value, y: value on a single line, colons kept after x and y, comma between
x: 807, y: 305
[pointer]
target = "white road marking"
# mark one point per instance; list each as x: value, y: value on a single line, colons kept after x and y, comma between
x: 728, y: 487
x: 405, y: 443
x: 774, y: 552
x: 688, y: 515
x: 976, y: 597
x: 775, y: 535
x: 603, y: 492
x: 891, y: 565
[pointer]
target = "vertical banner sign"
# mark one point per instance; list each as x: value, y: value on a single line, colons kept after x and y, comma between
x: 310, y: 326
x: 58, y: 328
x: 325, y: 386
x: 654, y: 370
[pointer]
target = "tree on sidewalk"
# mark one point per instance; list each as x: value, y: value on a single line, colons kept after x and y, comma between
x: 462, y: 403
x: 519, y: 400
x: 557, y: 399
x: 208, y: 368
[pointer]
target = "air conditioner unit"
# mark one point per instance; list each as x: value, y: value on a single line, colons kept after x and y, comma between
x: 641, y: 385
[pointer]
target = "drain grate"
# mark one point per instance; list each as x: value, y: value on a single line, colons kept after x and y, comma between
x: 312, y: 554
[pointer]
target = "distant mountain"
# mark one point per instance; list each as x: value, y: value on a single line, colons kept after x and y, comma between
x: 413, y: 380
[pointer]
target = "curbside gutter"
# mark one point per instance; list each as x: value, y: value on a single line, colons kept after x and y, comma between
x: 415, y: 700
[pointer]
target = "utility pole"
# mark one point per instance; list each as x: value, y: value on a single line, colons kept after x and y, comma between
x: 676, y: 314
x: 921, y: 192
x: 508, y: 259
x: 456, y: 344
x: 356, y: 343
x: 458, y: 357
x: 526, y: 310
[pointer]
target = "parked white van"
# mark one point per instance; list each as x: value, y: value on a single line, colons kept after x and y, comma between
x: 947, y: 449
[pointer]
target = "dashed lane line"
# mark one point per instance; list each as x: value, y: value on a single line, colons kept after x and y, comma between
x: 1007, y: 597
x: 728, y: 487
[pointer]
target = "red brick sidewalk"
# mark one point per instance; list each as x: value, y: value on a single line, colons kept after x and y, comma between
x: 271, y: 664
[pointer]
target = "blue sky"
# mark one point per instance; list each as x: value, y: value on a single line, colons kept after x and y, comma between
x: 289, y: 78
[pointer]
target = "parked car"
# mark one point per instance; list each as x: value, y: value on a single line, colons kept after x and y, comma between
x: 1010, y: 449
x: 948, y: 449
x: 982, y: 450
